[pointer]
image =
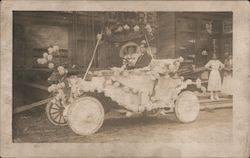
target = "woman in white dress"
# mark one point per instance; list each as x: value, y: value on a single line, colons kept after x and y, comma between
x: 227, y: 87
x: 214, y: 81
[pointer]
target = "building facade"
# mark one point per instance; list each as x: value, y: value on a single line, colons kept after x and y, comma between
x: 175, y: 34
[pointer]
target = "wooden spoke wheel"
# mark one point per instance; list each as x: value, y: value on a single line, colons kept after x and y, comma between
x: 55, y: 114
x: 187, y: 107
x: 85, y: 116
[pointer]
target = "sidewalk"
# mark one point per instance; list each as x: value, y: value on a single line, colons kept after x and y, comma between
x: 205, y: 102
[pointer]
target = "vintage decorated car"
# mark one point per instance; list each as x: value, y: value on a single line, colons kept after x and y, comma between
x: 156, y: 89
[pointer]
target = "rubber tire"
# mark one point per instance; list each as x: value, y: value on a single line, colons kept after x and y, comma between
x: 85, y: 116
x: 187, y: 107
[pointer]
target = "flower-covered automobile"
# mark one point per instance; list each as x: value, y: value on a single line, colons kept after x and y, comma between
x: 81, y: 102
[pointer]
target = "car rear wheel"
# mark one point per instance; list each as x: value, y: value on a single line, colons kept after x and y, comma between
x: 55, y: 115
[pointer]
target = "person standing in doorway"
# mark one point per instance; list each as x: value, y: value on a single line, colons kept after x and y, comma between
x: 227, y: 83
x: 214, y: 81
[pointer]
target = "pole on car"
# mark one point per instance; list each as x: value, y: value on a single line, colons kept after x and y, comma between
x: 99, y: 37
x: 150, y: 51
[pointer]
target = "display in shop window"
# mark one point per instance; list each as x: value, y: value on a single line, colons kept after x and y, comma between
x: 227, y: 27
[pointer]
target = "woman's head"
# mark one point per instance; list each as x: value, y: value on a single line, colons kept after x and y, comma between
x: 131, y: 49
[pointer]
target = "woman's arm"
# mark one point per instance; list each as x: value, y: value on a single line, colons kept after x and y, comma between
x: 208, y: 65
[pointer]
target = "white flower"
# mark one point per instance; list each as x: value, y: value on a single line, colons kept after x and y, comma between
x: 188, y: 81
x: 60, y: 91
x: 129, y: 114
x: 143, y: 42
x: 50, y: 65
x: 39, y: 61
x: 55, y: 48
x: 66, y: 71
x: 53, y: 101
x: 45, y: 55
x: 62, y: 84
x: 126, y: 27
x: 109, y: 82
x: 181, y: 59
x: 50, y: 50
x: 203, y: 89
x: 204, y: 52
x: 148, y: 28
x: 52, y: 88
x: 99, y: 36
x: 58, y: 86
x: 136, y: 28
x: 58, y: 96
x: 61, y: 70
x: 49, y: 89
x: 50, y: 57
x: 119, y: 29
x: 171, y: 67
x: 43, y: 61
x: 108, y: 31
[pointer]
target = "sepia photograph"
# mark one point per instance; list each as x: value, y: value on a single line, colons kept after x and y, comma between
x: 124, y: 79
x: 122, y: 76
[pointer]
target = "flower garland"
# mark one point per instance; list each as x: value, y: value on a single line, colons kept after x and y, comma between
x: 63, y: 89
x: 119, y: 33
x: 137, y: 28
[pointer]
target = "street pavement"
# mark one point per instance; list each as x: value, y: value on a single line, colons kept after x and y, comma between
x: 212, y: 126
